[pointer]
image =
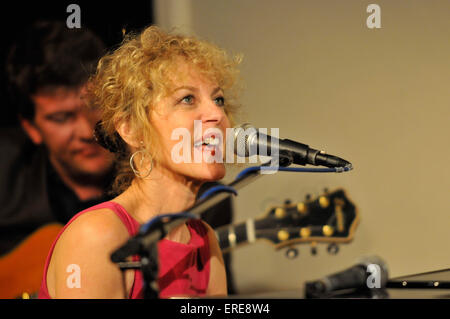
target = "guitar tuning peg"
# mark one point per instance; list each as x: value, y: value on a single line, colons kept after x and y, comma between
x: 292, y: 253
x: 313, y: 249
x: 333, y: 249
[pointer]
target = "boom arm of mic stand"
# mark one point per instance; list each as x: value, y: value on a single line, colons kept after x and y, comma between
x: 204, y: 204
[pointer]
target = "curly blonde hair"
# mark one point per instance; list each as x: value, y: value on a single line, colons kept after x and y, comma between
x: 130, y: 80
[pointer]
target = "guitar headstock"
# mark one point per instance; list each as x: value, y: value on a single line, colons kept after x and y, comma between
x: 330, y: 218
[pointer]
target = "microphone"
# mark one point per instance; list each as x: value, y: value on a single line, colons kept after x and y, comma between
x: 248, y: 141
x: 369, y: 272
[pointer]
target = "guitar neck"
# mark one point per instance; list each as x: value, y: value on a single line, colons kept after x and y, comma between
x: 231, y: 236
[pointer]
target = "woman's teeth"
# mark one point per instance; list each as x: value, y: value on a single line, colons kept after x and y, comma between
x: 209, y: 141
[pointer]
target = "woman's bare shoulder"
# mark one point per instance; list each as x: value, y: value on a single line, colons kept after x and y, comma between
x: 88, y: 243
x: 97, y: 225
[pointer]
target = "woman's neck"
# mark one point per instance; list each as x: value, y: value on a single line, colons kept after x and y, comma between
x: 175, y: 194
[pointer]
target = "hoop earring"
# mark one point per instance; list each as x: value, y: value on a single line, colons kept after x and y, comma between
x: 136, y: 171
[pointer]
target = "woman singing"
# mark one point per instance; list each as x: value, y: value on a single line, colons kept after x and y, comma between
x: 153, y: 85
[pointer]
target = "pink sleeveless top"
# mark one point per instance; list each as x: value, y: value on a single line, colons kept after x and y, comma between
x: 183, y: 268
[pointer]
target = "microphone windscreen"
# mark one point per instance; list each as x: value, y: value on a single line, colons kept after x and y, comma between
x: 241, y: 137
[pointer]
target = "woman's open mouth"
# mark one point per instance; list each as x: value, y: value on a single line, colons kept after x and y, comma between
x: 209, y: 143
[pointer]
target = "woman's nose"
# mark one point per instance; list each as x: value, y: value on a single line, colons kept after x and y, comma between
x: 212, y: 113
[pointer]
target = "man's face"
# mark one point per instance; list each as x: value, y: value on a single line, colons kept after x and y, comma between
x: 65, y: 126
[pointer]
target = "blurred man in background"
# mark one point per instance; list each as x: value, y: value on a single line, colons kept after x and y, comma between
x: 56, y: 168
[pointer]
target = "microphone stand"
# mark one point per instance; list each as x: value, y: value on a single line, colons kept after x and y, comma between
x: 145, y: 245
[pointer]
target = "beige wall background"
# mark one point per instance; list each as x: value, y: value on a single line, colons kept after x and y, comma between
x: 377, y: 97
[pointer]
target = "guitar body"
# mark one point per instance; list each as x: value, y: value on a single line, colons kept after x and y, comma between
x: 21, y: 270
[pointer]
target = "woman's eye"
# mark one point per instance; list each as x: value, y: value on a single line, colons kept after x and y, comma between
x: 189, y: 99
x: 220, y: 101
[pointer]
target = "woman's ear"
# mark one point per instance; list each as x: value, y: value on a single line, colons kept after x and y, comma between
x: 127, y: 134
